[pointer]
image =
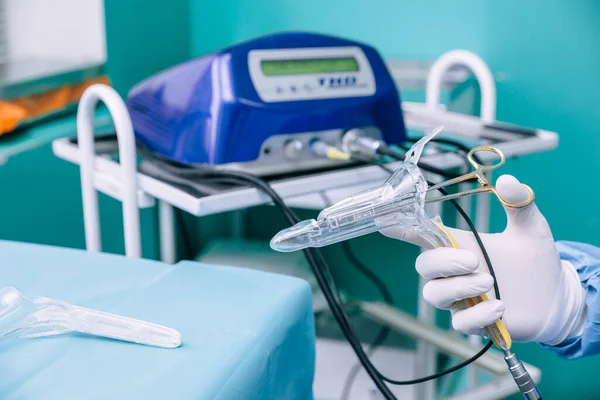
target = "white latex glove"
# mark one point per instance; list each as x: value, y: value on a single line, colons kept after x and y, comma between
x: 542, y: 297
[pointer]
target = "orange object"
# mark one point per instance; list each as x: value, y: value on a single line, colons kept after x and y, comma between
x: 23, y: 109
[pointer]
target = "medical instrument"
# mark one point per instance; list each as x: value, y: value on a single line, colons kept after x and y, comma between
x: 400, y: 202
x: 260, y: 105
x: 39, y: 317
x: 480, y: 174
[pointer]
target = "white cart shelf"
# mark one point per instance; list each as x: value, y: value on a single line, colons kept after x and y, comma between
x: 299, y: 191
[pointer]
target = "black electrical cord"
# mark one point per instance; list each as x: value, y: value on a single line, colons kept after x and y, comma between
x: 380, y: 338
x: 386, y: 294
x: 381, y: 286
x: 324, y: 277
x: 315, y: 260
x: 400, y: 157
x: 383, y: 332
x: 459, y: 209
x: 496, y: 291
x: 444, y: 372
x: 383, y: 289
x: 488, y: 261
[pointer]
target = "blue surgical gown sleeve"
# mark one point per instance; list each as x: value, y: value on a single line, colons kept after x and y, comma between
x: 586, y: 259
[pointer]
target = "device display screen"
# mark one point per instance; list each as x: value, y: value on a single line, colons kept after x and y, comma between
x: 308, y: 66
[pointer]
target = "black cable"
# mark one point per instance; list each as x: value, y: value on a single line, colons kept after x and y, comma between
x: 381, y: 287
x: 322, y: 274
x: 384, y: 332
x: 496, y: 290
x: 380, y: 338
x: 449, y: 370
x: 356, y: 262
x: 444, y: 372
x: 462, y: 213
x: 486, y: 256
x: 326, y: 282
x: 385, y: 293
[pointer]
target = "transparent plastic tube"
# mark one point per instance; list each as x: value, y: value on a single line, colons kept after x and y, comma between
x: 32, y: 318
x: 398, y: 202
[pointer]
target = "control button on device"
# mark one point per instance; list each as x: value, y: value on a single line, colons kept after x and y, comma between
x: 292, y: 149
x: 334, y: 82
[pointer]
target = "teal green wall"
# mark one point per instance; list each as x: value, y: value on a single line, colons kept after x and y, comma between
x: 41, y: 203
x: 144, y: 37
x: 43, y: 192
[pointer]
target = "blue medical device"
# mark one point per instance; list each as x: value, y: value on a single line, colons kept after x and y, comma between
x: 257, y: 105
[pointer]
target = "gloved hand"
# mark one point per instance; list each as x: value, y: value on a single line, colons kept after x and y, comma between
x: 542, y: 298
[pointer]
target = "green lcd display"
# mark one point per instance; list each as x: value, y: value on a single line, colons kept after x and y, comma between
x: 308, y: 66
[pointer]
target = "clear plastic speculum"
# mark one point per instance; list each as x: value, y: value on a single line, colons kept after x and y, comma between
x: 398, y: 202
x: 30, y: 318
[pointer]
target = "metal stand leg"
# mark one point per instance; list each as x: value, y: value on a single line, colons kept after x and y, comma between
x: 167, y: 232
x: 127, y: 161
